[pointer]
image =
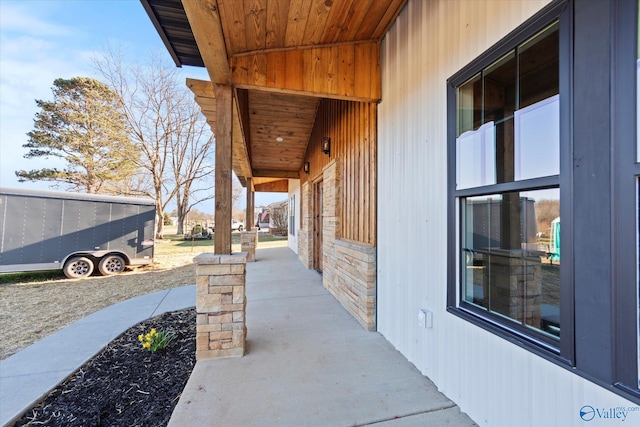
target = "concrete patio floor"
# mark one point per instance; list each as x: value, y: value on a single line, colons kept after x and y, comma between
x: 308, y: 363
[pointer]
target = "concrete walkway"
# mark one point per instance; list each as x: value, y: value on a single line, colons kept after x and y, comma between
x: 30, y: 374
x: 308, y: 363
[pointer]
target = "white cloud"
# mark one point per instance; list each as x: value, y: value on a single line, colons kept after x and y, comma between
x: 33, y: 53
x: 20, y: 16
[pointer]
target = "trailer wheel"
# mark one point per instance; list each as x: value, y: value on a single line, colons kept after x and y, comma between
x: 78, y: 268
x: 111, y: 264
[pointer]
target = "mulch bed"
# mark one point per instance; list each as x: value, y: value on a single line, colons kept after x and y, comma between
x: 124, y: 385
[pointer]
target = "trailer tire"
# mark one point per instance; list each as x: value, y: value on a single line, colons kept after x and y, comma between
x: 111, y: 264
x: 78, y: 267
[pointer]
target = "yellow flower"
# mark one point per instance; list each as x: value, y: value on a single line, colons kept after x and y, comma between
x: 153, y: 331
x: 146, y: 345
x: 140, y: 337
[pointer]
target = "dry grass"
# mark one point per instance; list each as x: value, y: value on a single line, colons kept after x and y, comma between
x: 32, y: 308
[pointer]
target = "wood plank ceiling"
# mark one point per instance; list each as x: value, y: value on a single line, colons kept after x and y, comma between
x: 282, y: 57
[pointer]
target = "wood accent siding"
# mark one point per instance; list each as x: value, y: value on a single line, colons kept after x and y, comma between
x: 352, y: 129
x: 345, y: 70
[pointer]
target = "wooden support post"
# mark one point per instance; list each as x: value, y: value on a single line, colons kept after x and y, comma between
x: 224, y: 126
x: 250, y: 205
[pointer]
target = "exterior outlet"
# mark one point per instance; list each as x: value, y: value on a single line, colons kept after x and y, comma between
x: 425, y: 318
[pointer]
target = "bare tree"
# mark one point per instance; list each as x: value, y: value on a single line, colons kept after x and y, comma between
x: 166, y: 125
x: 279, y: 214
x: 192, y: 164
x: 546, y: 211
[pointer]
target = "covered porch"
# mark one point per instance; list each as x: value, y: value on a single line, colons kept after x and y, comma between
x: 293, y: 88
x: 308, y: 362
x: 292, y: 100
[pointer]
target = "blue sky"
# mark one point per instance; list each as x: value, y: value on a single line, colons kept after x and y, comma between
x: 42, y: 40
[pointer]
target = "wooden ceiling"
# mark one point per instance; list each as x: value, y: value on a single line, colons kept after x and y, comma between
x: 275, y: 141
x: 281, y: 57
x: 254, y: 25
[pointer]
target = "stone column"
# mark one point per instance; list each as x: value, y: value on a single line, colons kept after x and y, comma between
x: 305, y: 234
x: 249, y: 243
x: 516, y: 285
x: 220, y: 305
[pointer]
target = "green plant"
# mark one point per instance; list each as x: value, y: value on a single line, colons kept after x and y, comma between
x: 156, y: 340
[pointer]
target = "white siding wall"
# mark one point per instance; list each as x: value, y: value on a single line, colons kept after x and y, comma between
x: 493, y: 381
x: 294, y: 189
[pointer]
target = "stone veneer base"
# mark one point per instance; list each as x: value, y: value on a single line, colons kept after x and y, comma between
x: 220, y: 305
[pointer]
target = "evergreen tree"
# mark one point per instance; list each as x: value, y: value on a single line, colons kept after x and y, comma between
x: 86, y: 127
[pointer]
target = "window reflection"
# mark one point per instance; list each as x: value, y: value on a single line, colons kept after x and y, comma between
x: 476, y: 157
x: 537, y: 140
x: 539, y: 65
x: 517, y: 96
x: 511, y: 257
x: 469, y: 105
x: 500, y: 81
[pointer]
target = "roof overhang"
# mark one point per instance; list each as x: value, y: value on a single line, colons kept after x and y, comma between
x: 281, y: 57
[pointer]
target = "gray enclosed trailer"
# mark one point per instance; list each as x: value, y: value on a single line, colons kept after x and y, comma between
x: 78, y: 233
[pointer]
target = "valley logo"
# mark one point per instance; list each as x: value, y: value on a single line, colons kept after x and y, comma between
x: 618, y: 413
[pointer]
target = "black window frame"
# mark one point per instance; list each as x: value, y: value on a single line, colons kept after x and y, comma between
x: 599, y: 185
x: 559, y: 12
x: 626, y: 197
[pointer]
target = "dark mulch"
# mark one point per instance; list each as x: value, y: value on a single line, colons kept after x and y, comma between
x: 124, y: 385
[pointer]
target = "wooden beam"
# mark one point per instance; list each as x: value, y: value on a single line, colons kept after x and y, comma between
x: 223, y: 163
x: 262, y: 180
x: 204, y: 18
x: 205, y: 97
x: 348, y: 71
x: 242, y: 100
x: 241, y: 160
x: 266, y: 173
x: 202, y: 88
x: 281, y: 186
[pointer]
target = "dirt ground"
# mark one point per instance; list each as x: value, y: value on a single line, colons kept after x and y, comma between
x: 32, y: 310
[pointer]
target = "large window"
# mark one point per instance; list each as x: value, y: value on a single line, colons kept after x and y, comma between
x: 544, y: 190
x: 507, y: 187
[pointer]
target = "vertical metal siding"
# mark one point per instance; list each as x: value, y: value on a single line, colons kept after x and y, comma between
x: 495, y: 382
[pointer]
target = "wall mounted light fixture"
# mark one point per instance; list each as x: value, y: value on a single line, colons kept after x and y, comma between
x: 307, y: 167
x: 326, y: 145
